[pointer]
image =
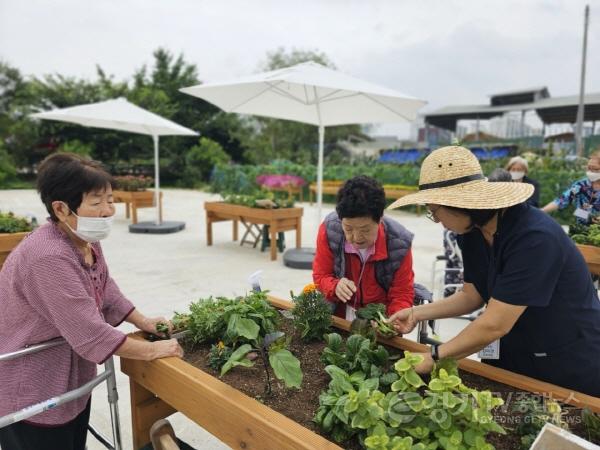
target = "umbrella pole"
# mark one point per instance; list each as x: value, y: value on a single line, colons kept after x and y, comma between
x: 320, y: 174
x: 156, y: 181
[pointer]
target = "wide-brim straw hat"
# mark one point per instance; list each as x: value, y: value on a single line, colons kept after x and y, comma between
x: 452, y: 176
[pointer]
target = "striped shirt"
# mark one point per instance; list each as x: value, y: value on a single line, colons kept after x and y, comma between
x: 48, y: 291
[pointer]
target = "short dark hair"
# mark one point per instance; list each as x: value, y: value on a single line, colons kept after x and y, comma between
x: 67, y: 177
x: 499, y: 174
x: 361, y: 196
x: 478, y: 217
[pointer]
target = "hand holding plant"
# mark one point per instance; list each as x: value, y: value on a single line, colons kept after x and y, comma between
x: 403, y: 321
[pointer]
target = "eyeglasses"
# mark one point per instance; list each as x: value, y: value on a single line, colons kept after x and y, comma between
x: 430, y: 214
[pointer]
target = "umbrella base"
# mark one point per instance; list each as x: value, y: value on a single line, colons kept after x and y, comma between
x: 299, y: 258
x: 153, y: 228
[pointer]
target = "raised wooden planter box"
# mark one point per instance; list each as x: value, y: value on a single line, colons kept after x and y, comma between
x: 161, y: 387
x: 136, y: 199
x: 591, y: 254
x: 291, y: 191
x: 278, y: 220
x: 8, y: 241
x: 332, y: 188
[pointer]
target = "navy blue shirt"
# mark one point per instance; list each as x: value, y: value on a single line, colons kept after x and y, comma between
x: 534, y: 263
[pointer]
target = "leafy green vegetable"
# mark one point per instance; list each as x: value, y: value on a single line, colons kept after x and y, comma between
x: 9, y: 223
x: 376, y: 313
x: 312, y: 314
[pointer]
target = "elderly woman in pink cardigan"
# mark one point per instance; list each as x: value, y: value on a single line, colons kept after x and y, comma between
x: 56, y: 284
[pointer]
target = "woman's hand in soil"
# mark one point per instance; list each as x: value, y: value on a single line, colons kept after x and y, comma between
x: 403, y: 321
x: 345, y: 289
x: 164, y: 349
x: 427, y: 365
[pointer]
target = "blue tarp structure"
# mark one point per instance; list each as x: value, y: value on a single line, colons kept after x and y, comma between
x: 412, y: 155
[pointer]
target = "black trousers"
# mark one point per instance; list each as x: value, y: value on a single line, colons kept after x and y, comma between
x: 70, y: 436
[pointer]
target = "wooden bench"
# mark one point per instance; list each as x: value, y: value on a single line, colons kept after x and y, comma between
x: 332, y: 188
x: 136, y: 199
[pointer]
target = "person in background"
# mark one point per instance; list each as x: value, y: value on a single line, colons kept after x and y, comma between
x: 363, y: 257
x: 583, y: 194
x: 519, y: 168
x: 56, y: 284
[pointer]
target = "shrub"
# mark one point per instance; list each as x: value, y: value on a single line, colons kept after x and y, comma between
x: 9, y: 223
x: 200, y: 160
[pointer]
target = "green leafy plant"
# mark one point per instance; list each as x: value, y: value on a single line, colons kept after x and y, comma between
x: 443, y: 413
x: 376, y: 312
x: 591, y: 422
x: 235, y: 321
x: 274, y: 354
x: 588, y: 235
x: 536, y: 413
x: 260, y: 199
x: 9, y: 223
x: 359, y: 353
x: 312, y: 313
x: 219, y: 355
x: 133, y: 182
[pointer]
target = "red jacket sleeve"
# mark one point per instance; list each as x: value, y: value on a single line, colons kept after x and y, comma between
x: 323, y: 275
x: 402, y: 291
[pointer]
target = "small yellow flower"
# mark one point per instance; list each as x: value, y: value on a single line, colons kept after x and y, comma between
x: 220, y: 345
x: 309, y: 288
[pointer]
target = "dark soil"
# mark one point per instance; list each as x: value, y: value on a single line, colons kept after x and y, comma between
x: 300, y: 405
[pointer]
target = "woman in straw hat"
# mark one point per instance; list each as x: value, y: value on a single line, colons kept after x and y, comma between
x: 543, y: 314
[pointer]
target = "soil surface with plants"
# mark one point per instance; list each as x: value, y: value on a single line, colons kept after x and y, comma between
x: 518, y: 414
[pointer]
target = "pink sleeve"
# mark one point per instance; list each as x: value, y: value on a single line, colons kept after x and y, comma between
x: 116, y: 307
x: 55, y: 287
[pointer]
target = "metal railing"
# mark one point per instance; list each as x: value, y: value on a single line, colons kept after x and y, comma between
x: 108, y: 375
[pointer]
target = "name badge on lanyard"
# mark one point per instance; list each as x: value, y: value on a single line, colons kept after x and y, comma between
x: 350, y: 313
x: 582, y: 214
x: 490, y: 351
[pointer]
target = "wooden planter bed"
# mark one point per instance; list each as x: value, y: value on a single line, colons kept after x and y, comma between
x: 278, y: 220
x: 160, y: 388
x: 591, y: 254
x: 136, y: 199
x: 332, y: 188
x: 8, y: 241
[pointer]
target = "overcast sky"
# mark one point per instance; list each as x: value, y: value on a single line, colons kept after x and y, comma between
x: 446, y: 52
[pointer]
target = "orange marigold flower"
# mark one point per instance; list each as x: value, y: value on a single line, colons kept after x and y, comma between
x: 309, y: 288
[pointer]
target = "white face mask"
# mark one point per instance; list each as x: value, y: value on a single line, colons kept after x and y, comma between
x: 92, y: 229
x: 593, y: 176
x: 517, y: 175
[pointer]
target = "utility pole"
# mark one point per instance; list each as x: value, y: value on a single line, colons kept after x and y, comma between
x: 580, y: 112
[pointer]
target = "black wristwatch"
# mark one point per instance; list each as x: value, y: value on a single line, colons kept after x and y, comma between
x: 435, y: 355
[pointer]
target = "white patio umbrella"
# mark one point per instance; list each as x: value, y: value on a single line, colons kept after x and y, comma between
x: 313, y: 94
x: 119, y: 114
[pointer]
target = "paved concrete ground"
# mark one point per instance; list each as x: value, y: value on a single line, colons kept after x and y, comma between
x: 164, y: 273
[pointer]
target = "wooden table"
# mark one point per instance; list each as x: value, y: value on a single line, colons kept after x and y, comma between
x: 162, y: 387
x: 281, y: 219
x: 136, y: 199
x: 332, y: 188
x: 591, y: 254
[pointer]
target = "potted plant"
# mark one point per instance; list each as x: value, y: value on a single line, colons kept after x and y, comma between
x: 12, y: 230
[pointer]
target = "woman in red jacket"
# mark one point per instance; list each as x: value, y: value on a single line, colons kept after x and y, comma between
x: 363, y: 257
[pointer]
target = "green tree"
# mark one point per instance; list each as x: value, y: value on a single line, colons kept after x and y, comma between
x: 200, y: 160
x: 285, y: 139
